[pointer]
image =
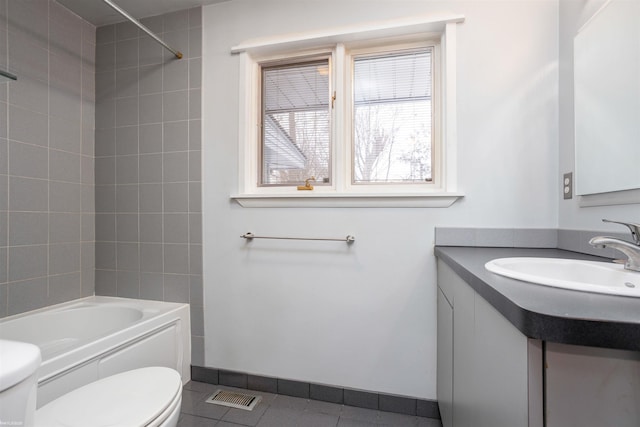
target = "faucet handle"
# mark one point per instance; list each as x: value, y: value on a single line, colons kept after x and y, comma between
x: 634, y: 228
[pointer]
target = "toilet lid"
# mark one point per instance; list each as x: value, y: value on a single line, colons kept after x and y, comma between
x: 18, y: 360
x: 132, y: 398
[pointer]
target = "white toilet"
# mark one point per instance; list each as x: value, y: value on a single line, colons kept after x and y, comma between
x: 19, y: 364
x: 148, y: 397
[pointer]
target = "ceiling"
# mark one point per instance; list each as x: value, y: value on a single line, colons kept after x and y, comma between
x: 98, y: 13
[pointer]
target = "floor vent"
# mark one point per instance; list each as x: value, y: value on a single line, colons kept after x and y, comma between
x: 234, y: 399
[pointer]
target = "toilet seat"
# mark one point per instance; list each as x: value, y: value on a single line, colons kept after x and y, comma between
x: 19, y: 360
x: 141, y: 397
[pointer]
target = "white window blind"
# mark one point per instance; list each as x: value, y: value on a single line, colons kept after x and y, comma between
x: 295, y: 123
x: 392, y: 117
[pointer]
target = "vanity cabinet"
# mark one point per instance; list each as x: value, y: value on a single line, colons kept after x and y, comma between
x: 590, y: 387
x: 445, y: 357
x: 491, y: 375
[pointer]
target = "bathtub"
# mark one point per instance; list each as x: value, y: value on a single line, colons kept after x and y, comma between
x: 91, y: 338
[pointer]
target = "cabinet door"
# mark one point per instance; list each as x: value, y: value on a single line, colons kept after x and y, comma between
x: 496, y: 371
x: 461, y: 333
x: 592, y: 387
x: 465, y: 397
x: 501, y: 370
x: 445, y: 360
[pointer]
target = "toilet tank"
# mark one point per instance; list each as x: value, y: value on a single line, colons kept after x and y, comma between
x: 19, y: 364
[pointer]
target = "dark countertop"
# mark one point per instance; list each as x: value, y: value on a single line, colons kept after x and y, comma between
x: 547, y: 313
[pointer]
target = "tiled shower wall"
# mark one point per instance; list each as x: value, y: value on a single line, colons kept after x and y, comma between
x: 46, y: 156
x: 147, y: 170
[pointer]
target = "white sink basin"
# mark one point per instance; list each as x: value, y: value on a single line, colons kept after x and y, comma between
x: 588, y: 276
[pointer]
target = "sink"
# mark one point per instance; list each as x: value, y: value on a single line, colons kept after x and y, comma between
x: 587, y: 276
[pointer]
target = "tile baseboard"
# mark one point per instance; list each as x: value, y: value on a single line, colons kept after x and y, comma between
x: 350, y: 397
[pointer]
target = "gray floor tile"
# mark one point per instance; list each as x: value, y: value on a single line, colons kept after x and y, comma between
x: 284, y: 417
x: 190, y: 399
x: 391, y: 419
x: 315, y: 419
x: 187, y: 420
x: 288, y: 402
x: 280, y: 417
x: 201, y: 387
x: 283, y: 411
x: 227, y: 424
x: 324, y: 407
x: 345, y: 422
x: 400, y: 424
x: 209, y: 410
x: 267, y: 398
x: 359, y: 414
x: 429, y: 422
x: 244, y: 417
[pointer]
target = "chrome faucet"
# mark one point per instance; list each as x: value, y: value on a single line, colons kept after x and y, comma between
x: 630, y: 249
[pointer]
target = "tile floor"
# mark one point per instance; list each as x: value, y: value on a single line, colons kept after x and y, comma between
x: 282, y: 411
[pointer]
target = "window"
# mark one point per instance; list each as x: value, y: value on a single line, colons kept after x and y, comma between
x: 362, y: 119
x: 392, y: 117
x: 295, y: 121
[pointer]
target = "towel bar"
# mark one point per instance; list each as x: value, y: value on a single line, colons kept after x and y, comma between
x: 250, y: 236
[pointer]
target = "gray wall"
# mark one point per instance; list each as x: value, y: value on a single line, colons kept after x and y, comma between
x: 46, y: 156
x: 148, y: 207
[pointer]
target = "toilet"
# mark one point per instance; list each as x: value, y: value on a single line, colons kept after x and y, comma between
x: 19, y: 364
x: 149, y: 397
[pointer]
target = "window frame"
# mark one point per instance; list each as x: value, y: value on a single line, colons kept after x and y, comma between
x: 371, y: 48
x: 288, y: 62
x: 339, y: 44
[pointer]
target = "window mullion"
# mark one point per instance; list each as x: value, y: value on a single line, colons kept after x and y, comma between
x: 248, y: 135
x: 340, y: 135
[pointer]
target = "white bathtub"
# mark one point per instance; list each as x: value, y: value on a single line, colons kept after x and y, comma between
x: 91, y: 338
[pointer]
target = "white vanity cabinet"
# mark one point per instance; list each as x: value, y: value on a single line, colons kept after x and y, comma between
x: 445, y: 359
x: 489, y: 374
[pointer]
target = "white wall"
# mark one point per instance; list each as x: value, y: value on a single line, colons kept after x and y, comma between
x: 573, y: 15
x: 365, y: 316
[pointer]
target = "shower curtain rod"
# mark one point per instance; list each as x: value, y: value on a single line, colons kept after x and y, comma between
x: 137, y: 23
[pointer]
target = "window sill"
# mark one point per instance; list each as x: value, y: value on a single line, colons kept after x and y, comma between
x: 344, y: 200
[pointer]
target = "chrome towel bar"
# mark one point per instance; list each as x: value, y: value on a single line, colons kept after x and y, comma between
x: 250, y: 236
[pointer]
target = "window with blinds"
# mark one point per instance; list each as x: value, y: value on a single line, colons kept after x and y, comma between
x: 392, y: 116
x: 295, y: 140
x: 369, y: 112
